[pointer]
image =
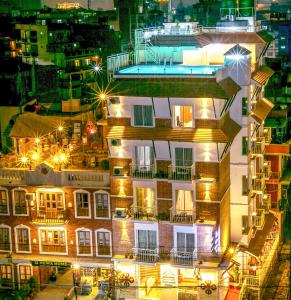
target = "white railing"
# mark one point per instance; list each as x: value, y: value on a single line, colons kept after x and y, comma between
x: 252, y: 280
x: 143, y: 213
x: 259, y: 218
x: 115, y: 62
x: 146, y: 255
x: 12, y: 176
x: 181, y: 172
x: 141, y: 171
x: 85, y: 178
x: 182, y: 216
x: 184, y: 258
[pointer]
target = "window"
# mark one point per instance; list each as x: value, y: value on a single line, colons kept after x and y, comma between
x: 33, y: 36
x: 22, y: 239
x: 145, y: 200
x: 147, y: 239
x: 144, y: 157
x: 185, y: 242
x: 143, y: 115
x: 20, y: 204
x: 77, y: 63
x: 4, y: 238
x: 3, y: 202
x: 24, y: 273
x: 51, y: 201
x: 244, y: 185
x: 183, y: 116
x: 245, y: 224
x: 82, y: 204
x: 101, y: 205
x: 6, y: 276
x: 84, y: 242
x: 183, y: 156
x: 53, y: 241
x: 184, y: 202
x: 103, y: 239
x: 244, y: 106
x: 244, y: 145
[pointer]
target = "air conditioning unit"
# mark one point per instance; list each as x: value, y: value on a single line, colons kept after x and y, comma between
x: 114, y: 100
x: 118, y: 171
x: 115, y: 143
x: 30, y: 196
x: 120, y: 213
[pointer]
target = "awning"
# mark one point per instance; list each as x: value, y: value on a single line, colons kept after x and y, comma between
x: 262, y: 110
x: 262, y: 75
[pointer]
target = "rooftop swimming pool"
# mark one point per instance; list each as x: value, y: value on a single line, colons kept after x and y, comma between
x: 169, y: 70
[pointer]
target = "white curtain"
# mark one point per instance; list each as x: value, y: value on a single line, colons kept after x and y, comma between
x: 184, y: 203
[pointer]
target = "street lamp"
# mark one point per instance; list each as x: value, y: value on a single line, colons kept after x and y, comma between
x: 76, y: 267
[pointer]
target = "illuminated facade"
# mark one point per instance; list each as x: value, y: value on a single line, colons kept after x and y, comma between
x: 186, y: 149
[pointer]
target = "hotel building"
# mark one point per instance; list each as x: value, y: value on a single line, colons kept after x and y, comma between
x: 184, y: 203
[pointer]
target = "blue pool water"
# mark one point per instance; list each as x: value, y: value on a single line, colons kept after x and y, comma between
x: 169, y: 70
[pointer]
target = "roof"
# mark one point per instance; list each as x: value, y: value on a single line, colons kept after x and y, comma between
x: 262, y: 74
x: 207, y: 38
x: 176, y: 87
x: 237, y: 50
x: 257, y: 242
x: 32, y: 124
x: 262, y: 110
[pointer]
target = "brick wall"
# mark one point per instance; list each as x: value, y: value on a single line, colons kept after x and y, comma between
x: 164, y: 189
x: 163, y: 123
x: 202, y: 123
x: 207, y: 191
x: 166, y: 237
x: 225, y: 221
x: 123, y: 237
x: 209, y: 211
x: 163, y: 167
x: 224, y: 175
x: 121, y: 186
x: 207, y: 169
x: 120, y: 162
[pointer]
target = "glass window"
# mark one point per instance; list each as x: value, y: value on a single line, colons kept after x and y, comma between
x: 51, y: 201
x: 53, y: 240
x: 244, y: 145
x: 183, y: 156
x: 244, y: 185
x: 84, y: 242
x: 244, y: 106
x: 184, y: 202
x: 143, y: 115
x: 4, y: 239
x: 3, y: 202
x: 145, y: 200
x: 185, y: 242
x: 82, y: 202
x: 103, y: 243
x: 147, y: 239
x: 183, y: 116
x: 144, y: 156
x: 20, y: 206
x: 6, y: 276
x: 24, y: 273
x: 101, y: 205
x: 22, y: 239
x: 245, y: 224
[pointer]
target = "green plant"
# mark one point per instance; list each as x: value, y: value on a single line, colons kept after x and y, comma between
x: 32, y: 282
x: 105, y: 164
x: 163, y: 216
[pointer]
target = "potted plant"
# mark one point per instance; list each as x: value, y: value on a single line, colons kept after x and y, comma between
x: 53, y: 277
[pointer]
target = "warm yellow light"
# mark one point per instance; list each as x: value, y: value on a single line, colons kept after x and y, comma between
x: 102, y: 96
x: 34, y: 240
x: 35, y: 156
x: 24, y: 160
x: 63, y: 157
x: 37, y: 140
x: 60, y: 128
x: 76, y: 266
x: 56, y: 159
x: 231, y: 250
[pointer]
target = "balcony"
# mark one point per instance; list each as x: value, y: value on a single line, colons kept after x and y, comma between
x: 23, y: 247
x: 183, y: 258
x: 49, y: 216
x: 258, y: 183
x: 141, y: 171
x: 182, y: 216
x: 252, y: 281
x: 267, y: 132
x: 143, y: 213
x: 82, y: 212
x: 21, y: 210
x: 102, y: 213
x: 259, y: 218
x: 53, y: 248
x: 267, y: 169
x: 266, y: 203
x: 183, y: 173
x: 258, y: 146
x: 146, y: 255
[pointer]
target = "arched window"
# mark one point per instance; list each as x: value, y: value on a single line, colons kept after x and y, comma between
x: 5, y: 238
x: 19, y: 202
x: 101, y: 205
x: 22, y: 239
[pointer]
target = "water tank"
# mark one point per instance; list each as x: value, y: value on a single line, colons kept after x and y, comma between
x: 246, y: 8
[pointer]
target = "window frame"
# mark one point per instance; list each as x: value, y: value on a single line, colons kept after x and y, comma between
x: 133, y: 116
x: 53, y: 229
x: 244, y: 142
x: 77, y: 241
x: 18, y: 272
x: 21, y: 226
x: 110, y: 241
x: 12, y: 273
x: 7, y: 202
x: 9, y: 235
x: 95, y: 204
x: 75, y: 204
x: 242, y: 185
x: 175, y: 117
x: 13, y: 202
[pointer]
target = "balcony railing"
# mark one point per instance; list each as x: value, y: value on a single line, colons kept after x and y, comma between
x: 183, y: 258
x: 146, y: 255
x: 267, y: 169
x: 49, y: 216
x: 102, y: 212
x: 259, y: 218
x: 267, y: 132
x: 3, y: 209
x: 141, y: 171
x: 182, y: 216
x: 84, y: 249
x: 23, y: 247
x: 258, y: 183
x: 82, y: 212
x: 267, y: 204
x: 143, y: 213
x: 53, y: 248
x: 20, y: 210
x: 104, y: 250
x: 181, y: 172
x: 252, y: 280
x: 258, y: 146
